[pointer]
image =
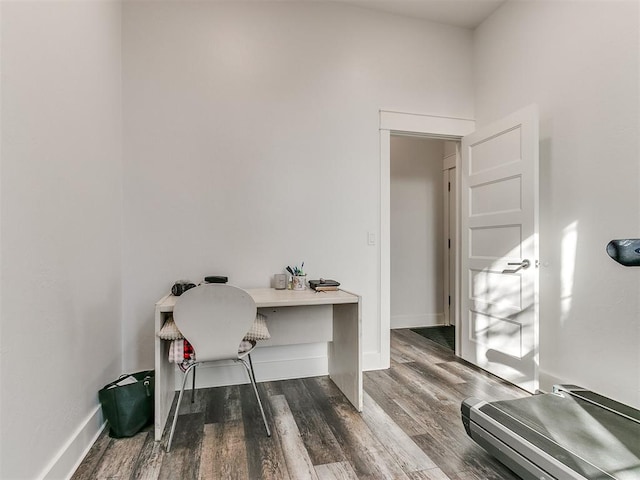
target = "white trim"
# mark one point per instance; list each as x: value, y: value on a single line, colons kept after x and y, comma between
x: 373, y: 360
x: 69, y: 457
x: 449, y: 162
x: 434, y: 126
x: 418, y: 321
x: 446, y: 294
x: 404, y: 123
x: 457, y: 253
x: 384, y: 294
x: 1, y: 223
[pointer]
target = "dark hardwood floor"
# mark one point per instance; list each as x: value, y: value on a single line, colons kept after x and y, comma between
x: 410, y: 428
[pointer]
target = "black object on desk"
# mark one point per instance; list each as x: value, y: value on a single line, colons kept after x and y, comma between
x: 324, y: 284
x: 181, y: 286
x: 216, y: 279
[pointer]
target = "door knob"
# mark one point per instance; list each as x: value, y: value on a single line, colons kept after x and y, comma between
x: 524, y: 264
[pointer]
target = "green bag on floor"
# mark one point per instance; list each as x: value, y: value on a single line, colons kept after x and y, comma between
x: 127, y: 403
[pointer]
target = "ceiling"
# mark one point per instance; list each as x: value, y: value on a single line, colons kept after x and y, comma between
x: 460, y: 13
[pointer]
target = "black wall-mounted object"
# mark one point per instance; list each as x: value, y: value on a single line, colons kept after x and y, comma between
x: 626, y: 251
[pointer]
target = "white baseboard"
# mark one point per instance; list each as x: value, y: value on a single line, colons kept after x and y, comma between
x: 271, y: 365
x: 69, y: 457
x: 417, y: 321
x: 373, y: 361
x: 218, y: 375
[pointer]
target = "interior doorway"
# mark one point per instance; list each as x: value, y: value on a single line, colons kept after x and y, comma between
x: 496, y: 227
x: 423, y: 211
x: 392, y: 122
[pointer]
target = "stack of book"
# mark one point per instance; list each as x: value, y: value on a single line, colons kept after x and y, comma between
x: 324, y: 285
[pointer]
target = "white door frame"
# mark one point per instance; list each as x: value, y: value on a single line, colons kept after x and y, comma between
x: 450, y: 233
x: 446, y: 128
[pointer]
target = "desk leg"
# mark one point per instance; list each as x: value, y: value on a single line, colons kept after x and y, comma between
x: 345, y: 352
x: 165, y: 381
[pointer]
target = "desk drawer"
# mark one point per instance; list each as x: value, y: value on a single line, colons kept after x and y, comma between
x: 294, y: 325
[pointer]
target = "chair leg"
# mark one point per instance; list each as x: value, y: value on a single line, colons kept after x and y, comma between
x: 175, y: 415
x: 252, y: 378
x: 253, y: 374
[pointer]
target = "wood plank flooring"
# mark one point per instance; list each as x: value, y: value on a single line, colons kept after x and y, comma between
x: 410, y: 428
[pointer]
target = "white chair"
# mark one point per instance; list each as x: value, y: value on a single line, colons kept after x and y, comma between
x: 214, y: 318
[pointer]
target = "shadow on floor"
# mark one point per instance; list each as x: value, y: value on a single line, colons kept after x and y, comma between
x: 445, y: 335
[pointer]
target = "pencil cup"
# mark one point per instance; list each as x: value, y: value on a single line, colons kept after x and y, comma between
x: 299, y: 282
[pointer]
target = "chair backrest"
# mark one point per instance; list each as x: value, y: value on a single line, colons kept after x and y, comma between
x: 214, y: 318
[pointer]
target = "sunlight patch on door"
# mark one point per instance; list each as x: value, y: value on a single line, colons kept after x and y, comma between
x: 496, y: 334
x: 502, y: 292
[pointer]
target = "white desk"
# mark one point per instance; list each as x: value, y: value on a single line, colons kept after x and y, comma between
x: 345, y: 350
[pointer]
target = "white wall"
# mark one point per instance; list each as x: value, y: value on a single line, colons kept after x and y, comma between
x: 580, y: 62
x: 416, y: 232
x: 251, y: 142
x: 60, y: 241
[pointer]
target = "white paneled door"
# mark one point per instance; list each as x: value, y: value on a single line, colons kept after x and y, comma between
x: 499, y: 249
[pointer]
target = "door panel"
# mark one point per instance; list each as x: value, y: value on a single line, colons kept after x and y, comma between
x: 498, y: 151
x: 493, y: 288
x: 494, y: 242
x: 506, y: 194
x: 499, y: 230
x: 497, y: 333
